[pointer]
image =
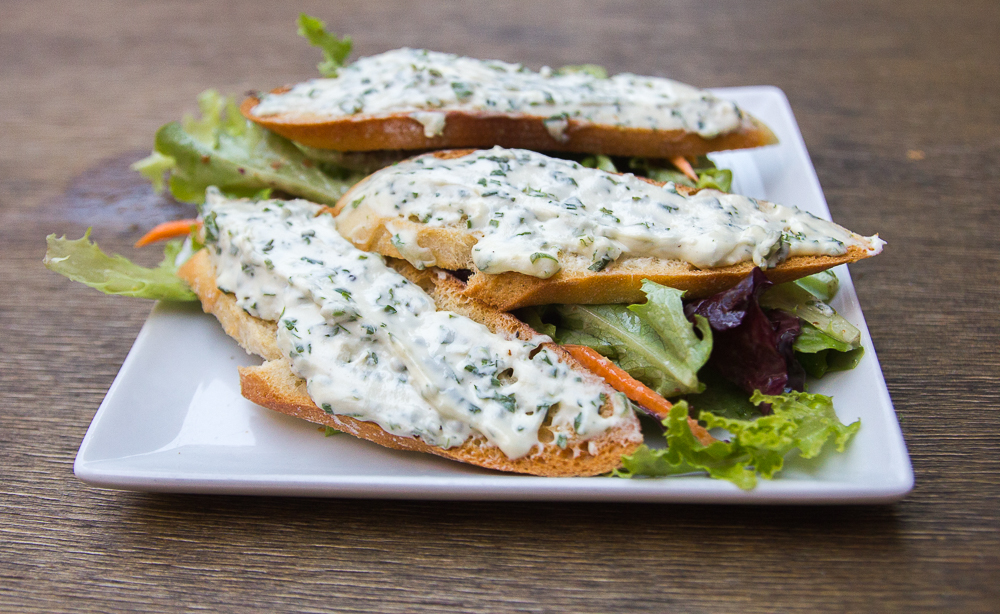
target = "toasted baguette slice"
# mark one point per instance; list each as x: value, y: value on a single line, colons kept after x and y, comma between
x: 575, y: 283
x: 274, y: 386
x: 464, y: 129
x: 409, y: 99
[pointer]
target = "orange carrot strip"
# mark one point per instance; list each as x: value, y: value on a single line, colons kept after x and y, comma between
x: 685, y: 167
x: 620, y: 380
x: 700, y: 433
x: 168, y: 230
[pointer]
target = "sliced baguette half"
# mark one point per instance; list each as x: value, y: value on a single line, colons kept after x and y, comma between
x: 464, y: 129
x: 575, y: 283
x: 274, y: 386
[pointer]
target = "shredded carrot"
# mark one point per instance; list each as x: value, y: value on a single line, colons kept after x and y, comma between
x: 168, y: 230
x: 620, y: 380
x: 685, y: 167
x: 700, y: 433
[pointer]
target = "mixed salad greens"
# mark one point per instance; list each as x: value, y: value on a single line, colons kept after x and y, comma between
x: 736, y: 362
x: 735, y: 366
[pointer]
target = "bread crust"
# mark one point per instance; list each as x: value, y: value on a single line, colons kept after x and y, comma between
x: 622, y: 283
x: 575, y: 283
x: 274, y: 386
x: 482, y: 130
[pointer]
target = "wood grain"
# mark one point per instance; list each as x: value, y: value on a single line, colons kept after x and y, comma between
x: 898, y: 106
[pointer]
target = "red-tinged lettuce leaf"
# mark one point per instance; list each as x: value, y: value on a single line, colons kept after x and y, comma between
x: 756, y: 448
x: 752, y: 349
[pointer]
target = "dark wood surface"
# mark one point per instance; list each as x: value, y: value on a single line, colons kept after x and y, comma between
x: 899, y: 104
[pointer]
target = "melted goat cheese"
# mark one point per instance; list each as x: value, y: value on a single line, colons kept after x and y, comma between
x: 427, y: 84
x: 371, y: 345
x: 532, y: 213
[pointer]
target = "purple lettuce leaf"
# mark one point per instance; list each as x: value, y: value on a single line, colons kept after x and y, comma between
x: 753, y: 349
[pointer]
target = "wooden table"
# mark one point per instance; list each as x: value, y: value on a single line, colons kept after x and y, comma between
x: 899, y: 104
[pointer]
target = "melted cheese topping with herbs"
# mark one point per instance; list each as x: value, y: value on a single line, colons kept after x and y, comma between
x: 427, y: 84
x: 533, y: 213
x: 372, y: 345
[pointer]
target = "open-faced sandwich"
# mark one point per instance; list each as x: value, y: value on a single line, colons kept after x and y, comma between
x: 533, y: 230
x: 396, y: 355
x: 414, y: 99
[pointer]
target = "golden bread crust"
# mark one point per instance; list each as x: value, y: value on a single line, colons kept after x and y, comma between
x: 254, y: 335
x: 483, y: 130
x: 274, y: 386
x: 622, y: 281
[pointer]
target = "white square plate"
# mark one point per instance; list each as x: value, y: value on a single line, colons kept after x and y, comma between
x: 174, y: 420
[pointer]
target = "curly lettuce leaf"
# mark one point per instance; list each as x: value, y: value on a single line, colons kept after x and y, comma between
x: 335, y: 50
x: 756, y: 448
x: 83, y: 261
x: 685, y: 454
x: 239, y: 157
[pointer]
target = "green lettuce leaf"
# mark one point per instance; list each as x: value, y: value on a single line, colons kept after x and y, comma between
x: 827, y: 342
x: 799, y: 301
x: 757, y: 448
x: 154, y: 167
x: 819, y: 353
x: 599, y: 161
x: 335, y: 50
x: 721, y: 397
x: 594, y: 70
x: 653, y: 342
x: 709, y: 176
x: 83, y: 261
x: 664, y: 311
x: 241, y: 158
x: 823, y: 285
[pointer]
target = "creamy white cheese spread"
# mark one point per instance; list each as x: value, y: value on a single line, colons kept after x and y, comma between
x: 532, y: 213
x: 371, y: 345
x: 421, y: 82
